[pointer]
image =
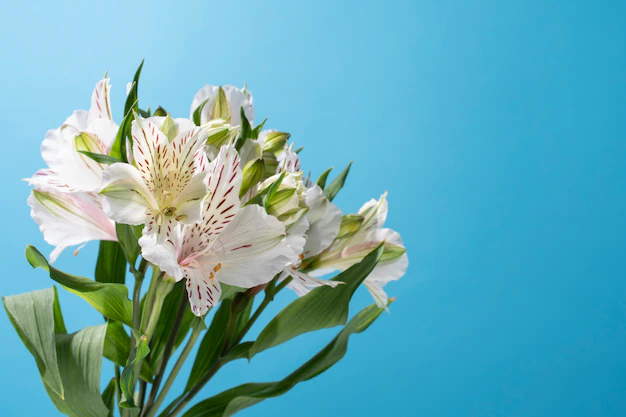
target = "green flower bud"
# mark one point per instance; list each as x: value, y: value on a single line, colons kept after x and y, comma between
x: 350, y: 224
x: 252, y: 175
x: 288, y: 204
x: 275, y: 141
x: 221, y: 106
x: 169, y: 128
x: 271, y: 164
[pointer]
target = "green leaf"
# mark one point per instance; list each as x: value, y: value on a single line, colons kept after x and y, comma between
x: 245, y: 131
x: 80, y: 362
x: 161, y: 112
x: 133, y: 95
x: 128, y: 237
x: 59, y: 323
x: 321, y: 181
x: 236, y: 399
x: 100, y: 158
x: 197, y: 113
x: 118, y: 149
x: 323, y: 307
x: 117, y: 348
x: 108, y: 396
x: 211, y: 344
x: 33, y: 316
x: 111, y: 264
x: 257, y: 130
x: 267, y: 194
x: 127, y: 380
x: 337, y: 184
x: 111, y: 300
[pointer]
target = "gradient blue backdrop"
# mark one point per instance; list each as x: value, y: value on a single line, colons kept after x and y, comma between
x: 498, y: 130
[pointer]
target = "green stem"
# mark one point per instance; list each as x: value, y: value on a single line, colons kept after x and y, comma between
x: 169, y: 347
x: 226, y: 347
x: 197, y: 329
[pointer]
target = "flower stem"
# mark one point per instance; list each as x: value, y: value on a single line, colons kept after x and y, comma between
x: 197, y: 329
x: 167, y: 352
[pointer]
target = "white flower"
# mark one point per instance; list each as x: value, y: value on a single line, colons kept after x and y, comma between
x: 67, y: 217
x: 235, y: 97
x: 166, y: 187
x: 244, y: 247
x: 93, y: 131
x: 346, y: 252
x: 318, y: 229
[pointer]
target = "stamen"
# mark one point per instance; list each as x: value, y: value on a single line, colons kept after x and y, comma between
x: 159, y: 219
x: 217, y: 268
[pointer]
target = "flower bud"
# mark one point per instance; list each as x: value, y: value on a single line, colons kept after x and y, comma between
x: 219, y: 133
x: 221, y: 106
x: 252, y: 175
x: 275, y: 141
x: 271, y: 164
x: 350, y: 224
x: 288, y: 204
x: 169, y: 128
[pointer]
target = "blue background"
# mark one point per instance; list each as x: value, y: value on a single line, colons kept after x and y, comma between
x: 497, y: 128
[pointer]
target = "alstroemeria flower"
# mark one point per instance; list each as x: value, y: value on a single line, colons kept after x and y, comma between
x: 235, y: 99
x: 318, y: 227
x: 166, y: 187
x: 346, y: 252
x: 237, y: 246
x: 67, y: 217
x: 93, y: 131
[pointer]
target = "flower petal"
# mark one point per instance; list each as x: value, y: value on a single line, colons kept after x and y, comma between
x: 251, y: 250
x: 378, y: 293
x: 325, y: 220
x: 68, y: 219
x: 164, y: 255
x: 100, y: 105
x: 152, y: 154
x: 303, y: 283
x: 203, y: 290
x: 125, y: 196
x: 224, y: 182
x: 236, y: 99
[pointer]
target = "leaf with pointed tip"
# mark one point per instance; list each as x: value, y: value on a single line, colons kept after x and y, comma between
x: 132, y: 98
x: 100, y: 158
x: 337, y: 184
x: 111, y: 300
x: 321, y: 181
x: 128, y: 237
x: 117, y: 348
x: 236, y: 399
x: 197, y: 113
x: 108, y: 396
x: 161, y: 112
x: 322, y: 308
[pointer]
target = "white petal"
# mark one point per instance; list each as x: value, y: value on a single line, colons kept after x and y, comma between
x: 325, y: 220
x: 236, y: 98
x: 68, y: 219
x: 303, y: 283
x: 125, y: 196
x: 203, y: 290
x: 374, y: 213
x: 48, y: 180
x: 100, y: 101
x: 251, y: 250
x: 152, y: 154
x: 73, y: 168
x: 379, y: 295
x: 288, y: 161
x: 163, y: 256
x: 224, y: 182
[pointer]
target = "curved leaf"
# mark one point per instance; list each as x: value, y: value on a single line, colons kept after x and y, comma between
x: 33, y: 316
x: 337, y: 184
x: 322, y: 308
x: 111, y: 300
x: 236, y: 399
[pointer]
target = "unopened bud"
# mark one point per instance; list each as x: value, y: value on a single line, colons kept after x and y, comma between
x: 350, y: 224
x: 252, y: 175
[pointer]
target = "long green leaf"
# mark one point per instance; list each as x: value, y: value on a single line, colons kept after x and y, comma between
x: 111, y: 264
x: 111, y: 300
x: 108, y: 396
x: 337, y: 184
x: 323, y: 307
x: 80, y: 362
x: 128, y: 237
x: 236, y: 399
x: 133, y: 95
x: 33, y: 316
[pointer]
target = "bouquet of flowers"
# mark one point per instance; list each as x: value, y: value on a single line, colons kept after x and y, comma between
x: 211, y: 211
